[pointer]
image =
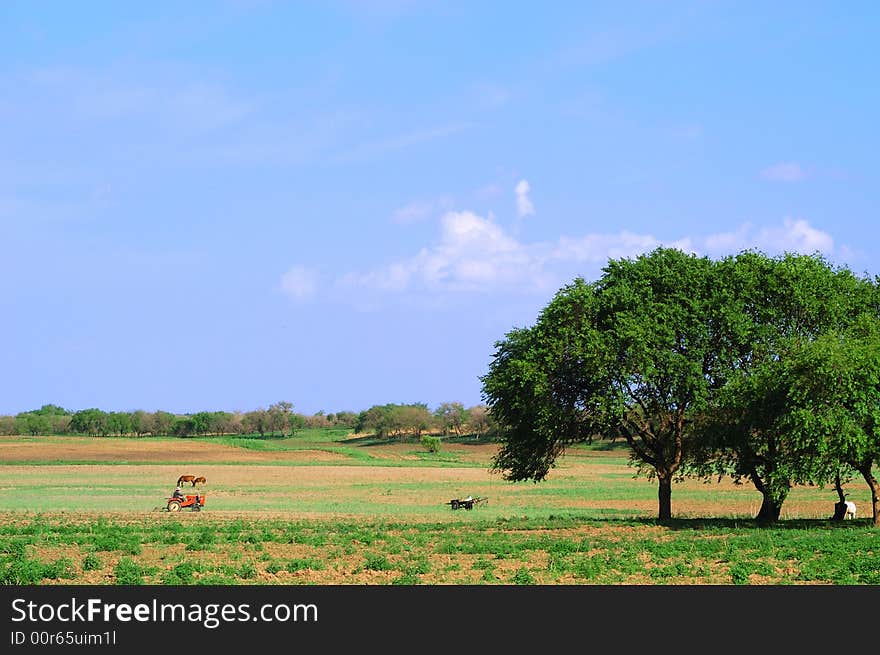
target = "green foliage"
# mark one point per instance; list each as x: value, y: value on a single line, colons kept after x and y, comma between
x: 305, y: 564
x: 22, y: 571
x: 274, y: 566
x: 247, y: 571
x: 129, y: 572
x: 92, y: 422
x: 377, y: 562
x: 451, y: 417
x: 522, y: 576
x: 629, y: 355
x: 116, y: 540
x: 771, y: 314
x: 432, y: 444
x: 202, y: 539
x: 393, y: 420
x: 695, y: 364
x: 182, y: 573
x: 408, y: 578
x: 714, y: 551
x: 92, y: 562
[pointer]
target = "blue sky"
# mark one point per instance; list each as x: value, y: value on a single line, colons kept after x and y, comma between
x: 220, y: 205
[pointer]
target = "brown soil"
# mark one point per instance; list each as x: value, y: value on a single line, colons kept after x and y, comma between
x: 132, y: 450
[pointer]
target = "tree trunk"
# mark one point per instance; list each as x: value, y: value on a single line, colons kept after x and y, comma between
x: 773, y: 497
x: 770, y: 509
x: 875, y: 492
x: 839, y: 507
x: 664, y: 494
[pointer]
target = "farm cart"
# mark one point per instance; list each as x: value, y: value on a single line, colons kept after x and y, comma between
x: 467, y: 503
x: 193, y: 501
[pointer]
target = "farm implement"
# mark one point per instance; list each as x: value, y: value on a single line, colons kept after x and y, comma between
x: 194, y: 501
x: 178, y: 500
x: 467, y: 503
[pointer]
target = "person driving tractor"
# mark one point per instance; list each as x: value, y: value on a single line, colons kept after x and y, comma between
x: 177, y: 493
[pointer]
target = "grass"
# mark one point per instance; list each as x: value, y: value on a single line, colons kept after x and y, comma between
x: 590, y: 522
x: 567, y: 550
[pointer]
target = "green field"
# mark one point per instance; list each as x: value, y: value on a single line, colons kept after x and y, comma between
x: 324, y: 508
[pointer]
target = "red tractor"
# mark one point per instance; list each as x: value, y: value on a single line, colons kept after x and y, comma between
x: 194, y: 501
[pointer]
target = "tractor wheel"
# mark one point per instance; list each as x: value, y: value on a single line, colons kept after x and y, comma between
x: 197, y: 508
x: 173, y: 506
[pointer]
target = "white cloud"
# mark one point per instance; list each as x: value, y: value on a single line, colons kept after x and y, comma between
x: 728, y: 242
x: 299, y: 283
x: 784, y: 172
x: 474, y: 253
x: 598, y: 248
x: 524, y: 206
x: 795, y: 235
x: 421, y: 209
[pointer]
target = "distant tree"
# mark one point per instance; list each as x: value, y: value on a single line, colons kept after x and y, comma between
x: 284, y: 410
x: 360, y: 424
x: 297, y: 422
x: 451, y: 417
x: 35, y: 424
x: 236, y: 423
x: 345, y: 419
x: 220, y: 423
x: 163, y: 423
x: 51, y: 410
x: 184, y: 426
x: 118, y: 423
x: 92, y: 422
x: 9, y: 426
x: 257, y: 421
x: 317, y: 421
x: 414, y: 419
x: 377, y: 419
x: 202, y: 422
x: 478, y: 419
x: 139, y: 423
x: 60, y: 424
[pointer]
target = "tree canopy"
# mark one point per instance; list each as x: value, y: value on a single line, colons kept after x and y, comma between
x: 691, y: 361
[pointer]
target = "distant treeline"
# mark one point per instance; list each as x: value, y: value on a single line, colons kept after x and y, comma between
x: 390, y: 420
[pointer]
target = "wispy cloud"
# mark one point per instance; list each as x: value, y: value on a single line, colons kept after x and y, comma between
x: 491, y: 96
x: 524, y: 206
x: 420, y: 210
x: 373, y: 149
x: 784, y: 172
x: 104, y: 95
x: 299, y: 283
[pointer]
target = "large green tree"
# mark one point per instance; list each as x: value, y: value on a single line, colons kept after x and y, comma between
x: 631, y: 355
x: 834, y: 386
x: 767, y: 310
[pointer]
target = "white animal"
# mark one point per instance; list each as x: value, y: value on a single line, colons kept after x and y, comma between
x: 850, y: 510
